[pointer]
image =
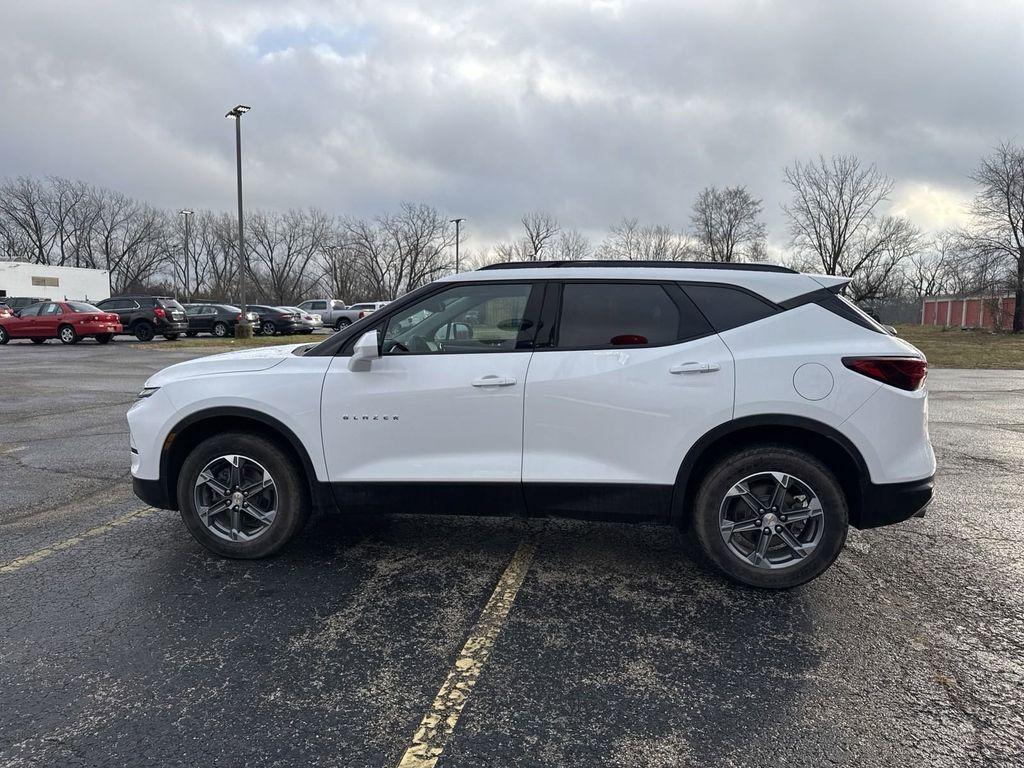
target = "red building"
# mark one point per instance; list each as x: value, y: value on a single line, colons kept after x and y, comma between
x: 968, y: 312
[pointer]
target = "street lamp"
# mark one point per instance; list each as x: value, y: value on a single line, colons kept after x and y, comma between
x: 243, y: 329
x: 186, y: 214
x: 457, y: 222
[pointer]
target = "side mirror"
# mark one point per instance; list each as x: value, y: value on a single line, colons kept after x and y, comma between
x: 892, y: 331
x: 366, y: 350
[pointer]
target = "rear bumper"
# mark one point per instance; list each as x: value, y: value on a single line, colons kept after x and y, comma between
x: 88, y: 329
x: 888, y: 503
x: 171, y: 326
x: 152, y: 492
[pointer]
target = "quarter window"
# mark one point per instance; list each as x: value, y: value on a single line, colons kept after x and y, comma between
x: 726, y: 307
x: 463, y: 319
x: 602, y: 315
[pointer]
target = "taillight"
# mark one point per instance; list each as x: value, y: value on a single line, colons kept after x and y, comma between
x: 159, y: 312
x: 239, y: 318
x: 901, y: 372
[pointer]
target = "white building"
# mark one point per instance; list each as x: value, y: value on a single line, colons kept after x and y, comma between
x: 41, y: 281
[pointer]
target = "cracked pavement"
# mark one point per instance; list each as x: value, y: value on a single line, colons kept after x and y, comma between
x: 136, y: 647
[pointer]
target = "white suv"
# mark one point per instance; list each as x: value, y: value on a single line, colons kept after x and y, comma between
x: 750, y: 402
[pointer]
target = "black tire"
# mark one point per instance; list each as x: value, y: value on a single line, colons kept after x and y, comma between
x: 104, y: 338
x: 144, y: 331
x: 292, y: 499
x: 4, y: 335
x: 342, y: 323
x: 67, y: 335
x: 39, y: 340
x: 172, y: 336
x: 268, y: 328
x: 752, y: 461
x: 220, y: 330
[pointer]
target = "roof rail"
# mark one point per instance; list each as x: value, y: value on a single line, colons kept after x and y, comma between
x: 734, y: 265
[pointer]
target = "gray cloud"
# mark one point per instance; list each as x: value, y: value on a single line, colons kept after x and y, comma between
x: 592, y: 111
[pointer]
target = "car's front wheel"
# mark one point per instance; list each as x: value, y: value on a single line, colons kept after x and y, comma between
x: 771, y: 516
x: 4, y: 335
x: 241, y: 496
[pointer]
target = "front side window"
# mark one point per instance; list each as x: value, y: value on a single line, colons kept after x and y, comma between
x: 31, y: 311
x: 603, y: 315
x: 462, y: 319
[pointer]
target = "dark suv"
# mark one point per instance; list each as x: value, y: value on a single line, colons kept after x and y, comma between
x: 146, y: 316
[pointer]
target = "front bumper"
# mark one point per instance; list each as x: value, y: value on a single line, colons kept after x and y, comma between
x: 152, y: 492
x: 888, y: 503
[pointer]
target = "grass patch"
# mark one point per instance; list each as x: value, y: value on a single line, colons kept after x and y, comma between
x: 954, y: 348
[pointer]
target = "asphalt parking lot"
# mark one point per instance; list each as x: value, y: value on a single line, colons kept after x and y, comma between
x: 124, y: 643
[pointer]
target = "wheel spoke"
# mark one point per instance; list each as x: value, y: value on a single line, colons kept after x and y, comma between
x: 812, y: 510
x: 216, y: 508
x: 236, y: 470
x: 759, y: 553
x: 236, y: 519
x: 793, y: 543
x: 206, y: 478
x: 779, y: 495
x: 266, y: 518
x: 743, y: 491
x: 259, y: 485
x: 729, y: 527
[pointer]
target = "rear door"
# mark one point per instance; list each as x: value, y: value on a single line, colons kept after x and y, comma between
x: 626, y: 378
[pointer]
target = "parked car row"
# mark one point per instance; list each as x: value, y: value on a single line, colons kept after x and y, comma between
x: 146, y: 317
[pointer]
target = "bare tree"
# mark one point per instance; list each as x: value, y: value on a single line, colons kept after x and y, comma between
x: 284, y: 248
x: 997, y: 229
x: 726, y: 223
x: 23, y: 214
x: 572, y: 245
x: 629, y: 240
x: 834, y: 216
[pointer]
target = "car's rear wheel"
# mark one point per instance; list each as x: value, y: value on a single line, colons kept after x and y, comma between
x: 771, y: 516
x: 268, y: 328
x: 67, y: 335
x: 144, y: 331
x: 241, y: 496
x: 220, y: 330
x: 4, y: 335
x: 39, y: 340
x: 342, y: 323
x: 104, y: 338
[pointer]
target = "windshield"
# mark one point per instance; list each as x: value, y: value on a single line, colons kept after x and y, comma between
x: 169, y: 304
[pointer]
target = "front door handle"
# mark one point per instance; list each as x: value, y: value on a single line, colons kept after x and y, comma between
x: 695, y: 367
x: 494, y: 381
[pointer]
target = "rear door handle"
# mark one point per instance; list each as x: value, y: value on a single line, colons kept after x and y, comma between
x: 694, y: 367
x: 494, y: 381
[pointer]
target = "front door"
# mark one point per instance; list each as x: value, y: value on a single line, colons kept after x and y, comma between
x: 630, y: 378
x: 438, y: 418
x: 49, y: 319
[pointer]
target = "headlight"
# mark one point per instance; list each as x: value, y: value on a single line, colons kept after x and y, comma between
x: 148, y: 391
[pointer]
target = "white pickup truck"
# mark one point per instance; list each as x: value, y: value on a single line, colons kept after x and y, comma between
x: 336, y: 314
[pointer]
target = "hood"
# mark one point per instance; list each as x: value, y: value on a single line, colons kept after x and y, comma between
x: 240, y: 361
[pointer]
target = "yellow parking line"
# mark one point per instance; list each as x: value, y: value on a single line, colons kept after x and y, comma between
x: 438, y: 724
x: 41, y: 554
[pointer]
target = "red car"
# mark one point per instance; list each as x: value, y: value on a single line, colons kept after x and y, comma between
x: 68, y: 321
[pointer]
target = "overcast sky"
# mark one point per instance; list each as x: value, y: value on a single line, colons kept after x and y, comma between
x: 591, y: 111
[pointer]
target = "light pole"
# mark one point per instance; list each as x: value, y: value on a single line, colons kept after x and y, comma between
x: 186, y: 214
x: 243, y: 330
x: 457, y: 222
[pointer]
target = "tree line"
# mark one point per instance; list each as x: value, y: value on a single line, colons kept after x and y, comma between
x: 835, y: 215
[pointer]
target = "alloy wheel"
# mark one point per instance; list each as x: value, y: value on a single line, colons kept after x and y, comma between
x: 236, y: 498
x: 67, y: 334
x: 771, y: 520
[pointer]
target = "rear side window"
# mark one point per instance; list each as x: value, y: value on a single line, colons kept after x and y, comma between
x: 602, y: 315
x: 726, y: 307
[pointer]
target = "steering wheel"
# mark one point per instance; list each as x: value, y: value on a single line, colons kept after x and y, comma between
x: 396, y: 346
x: 419, y: 344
